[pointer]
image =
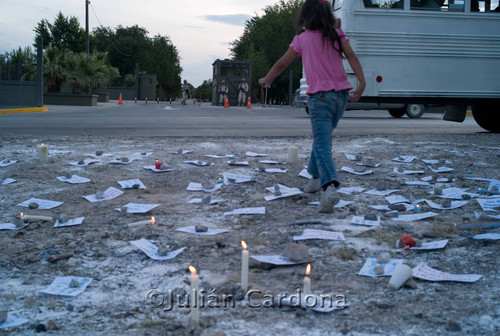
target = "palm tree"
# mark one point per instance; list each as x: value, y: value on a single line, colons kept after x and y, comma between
x: 90, y: 71
x: 54, y: 73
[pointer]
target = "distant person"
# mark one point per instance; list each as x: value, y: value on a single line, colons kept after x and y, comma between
x: 223, y: 92
x: 185, y: 92
x: 322, y: 48
x: 242, y: 92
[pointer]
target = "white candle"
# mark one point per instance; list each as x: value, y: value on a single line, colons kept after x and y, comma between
x: 292, y: 154
x: 306, y: 289
x: 36, y: 218
x: 43, y: 153
x: 195, y: 309
x: 244, y: 267
x: 141, y: 223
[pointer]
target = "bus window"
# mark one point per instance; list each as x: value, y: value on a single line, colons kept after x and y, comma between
x: 485, y: 6
x: 383, y: 4
x: 427, y: 4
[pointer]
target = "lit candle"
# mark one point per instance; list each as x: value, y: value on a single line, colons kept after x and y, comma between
x: 36, y: 218
x: 195, y: 309
x: 292, y: 154
x: 480, y: 190
x: 306, y: 289
x: 220, y: 180
x: 157, y: 164
x: 244, y: 267
x: 416, y: 208
x: 141, y: 223
x: 43, y: 153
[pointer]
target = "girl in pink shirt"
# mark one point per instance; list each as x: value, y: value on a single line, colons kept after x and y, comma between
x: 322, y: 46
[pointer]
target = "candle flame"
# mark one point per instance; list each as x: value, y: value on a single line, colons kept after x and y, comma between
x: 308, y: 269
x: 152, y: 220
x: 192, y: 269
x: 244, y: 244
x: 22, y: 215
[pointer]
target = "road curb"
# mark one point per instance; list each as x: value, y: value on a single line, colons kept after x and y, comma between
x: 24, y: 110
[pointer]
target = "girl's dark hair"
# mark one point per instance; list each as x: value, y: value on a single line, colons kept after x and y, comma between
x: 315, y: 15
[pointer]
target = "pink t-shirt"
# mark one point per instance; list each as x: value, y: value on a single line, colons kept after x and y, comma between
x: 322, y: 63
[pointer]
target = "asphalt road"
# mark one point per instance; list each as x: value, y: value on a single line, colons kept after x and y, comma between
x: 175, y: 120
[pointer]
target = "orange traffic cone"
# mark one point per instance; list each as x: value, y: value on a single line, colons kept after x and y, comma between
x: 249, y: 104
x: 120, y: 100
x: 226, y: 103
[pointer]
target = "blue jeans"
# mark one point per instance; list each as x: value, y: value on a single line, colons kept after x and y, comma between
x: 325, y: 110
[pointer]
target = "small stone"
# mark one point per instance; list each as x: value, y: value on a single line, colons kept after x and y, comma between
x: 446, y: 203
x: 99, y: 153
x: 180, y: 151
x: 430, y: 234
x: 277, y: 191
x: 70, y: 307
x: 68, y: 175
x: 74, y: 283
x: 206, y: 200
x: 397, y: 207
x: 296, y: 252
x: 383, y: 258
x: 135, y: 186
x: 371, y: 216
x: 200, y: 228
x: 368, y: 162
x: 63, y: 218
x: 231, y: 179
x: 411, y: 283
x: 33, y: 205
x: 381, y: 185
x: 438, y: 191
x: 123, y: 209
x: 261, y: 169
x: 99, y: 194
x: 207, y: 185
x: 453, y: 326
x: 6, y: 161
x: 124, y: 159
x: 40, y: 328
x: 162, y: 250
x: 466, y: 197
x: 81, y: 162
x: 378, y: 270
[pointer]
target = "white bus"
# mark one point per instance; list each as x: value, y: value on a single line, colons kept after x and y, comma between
x: 418, y: 53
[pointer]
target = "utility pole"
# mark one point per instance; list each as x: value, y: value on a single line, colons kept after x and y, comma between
x: 87, y: 49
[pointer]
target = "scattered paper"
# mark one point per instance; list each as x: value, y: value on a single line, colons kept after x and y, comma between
x: 184, y: 152
x: 319, y: 234
x: 488, y: 236
x: 489, y: 204
x: 238, y: 163
x: 485, y: 216
x: 371, y: 263
x: 119, y: 161
x: 11, y: 226
x: 193, y: 186
x: 210, y: 232
x: 13, y: 321
x: 102, y: 155
x: 285, y: 192
x: 86, y: 162
x: 219, y: 156
x: 199, y: 163
x: 360, y: 220
x: 404, y: 159
x: 380, y: 192
x: 436, y: 162
x: 317, y: 303
x: 440, y: 169
x: 304, y: 173
x: 127, y: 184
x: 371, y: 165
x: 423, y: 271
x: 494, y: 184
x: 143, y: 154
x: 407, y: 172
x: 381, y: 207
x: 197, y: 200
x: 338, y: 205
x: 6, y: 162
x: 8, y: 181
x: 426, y: 178
x: 395, y: 199
x: 74, y: 179
x: 151, y: 250
x: 60, y: 286
x: 454, y: 205
x: 351, y: 157
x: 272, y: 170
x: 273, y: 162
x: 276, y: 260
x: 255, y: 154
x: 109, y: 194
x: 352, y: 171
x: 42, y: 204
x: 247, y: 211
x: 434, y: 245
x: 230, y: 178
x: 158, y: 170
x: 138, y: 208
x: 418, y: 183
x: 414, y: 217
x: 70, y: 222
x: 57, y: 151
x: 455, y: 193
x: 350, y: 190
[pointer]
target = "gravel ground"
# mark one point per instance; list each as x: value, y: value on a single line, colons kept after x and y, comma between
x: 115, y: 303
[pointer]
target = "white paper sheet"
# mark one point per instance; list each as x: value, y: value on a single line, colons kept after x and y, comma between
x: 194, y: 186
x: 494, y: 185
x: 489, y: 204
x: 423, y: 271
x: 210, y: 232
x: 102, y: 155
x: 276, y: 260
x: 426, y: 178
x: 319, y: 234
x: 415, y: 217
x: 352, y: 171
x: 371, y: 263
x: 485, y: 216
x: 60, y: 286
x: 418, y: 183
x: 138, y: 208
x: 360, y: 220
x: 434, y: 245
x: 230, y: 178
x: 4, y: 163
x: 42, y: 204
x: 338, y: 205
x: 312, y: 302
x: 440, y: 169
x: 455, y: 193
x: 273, y: 170
x: 70, y: 222
x: 395, y: 199
x: 197, y: 200
x: 86, y: 162
x: 109, y: 194
x: 487, y: 236
x: 285, y: 192
x: 350, y: 190
x: 151, y: 250
x: 407, y: 172
x: 404, y: 159
x: 255, y: 154
x: 380, y: 207
x: 238, y: 163
x: 119, y: 161
x: 380, y: 192
x: 352, y: 157
x: 454, y: 205
x: 127, y: 184
x: 272, y: 162
x: 11, y: 226
x: 219, y: 156
x: 162, y: 170
x: 74, y: 179
x: 8, y: 180
x: 371, y: 165
x: 199, y: 163
x: 247, y: 211
x: 304, y: 173
x: 437, y: 161
x: 184, y: 152
x: 13, y: 321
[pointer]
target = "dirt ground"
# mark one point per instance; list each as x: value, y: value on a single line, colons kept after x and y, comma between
x: 115, y: 302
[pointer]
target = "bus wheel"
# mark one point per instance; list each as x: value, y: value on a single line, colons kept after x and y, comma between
x: 397, y: 113
x: 415, y: 110
x: 485, y: 114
